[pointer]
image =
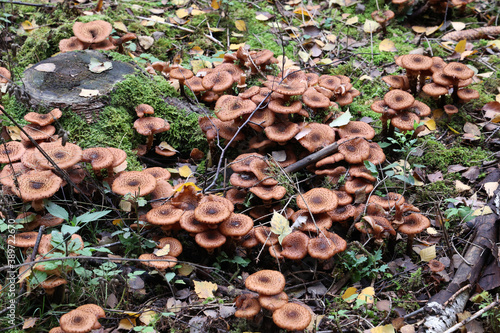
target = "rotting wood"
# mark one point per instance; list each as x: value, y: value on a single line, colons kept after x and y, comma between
x: 470, y: 34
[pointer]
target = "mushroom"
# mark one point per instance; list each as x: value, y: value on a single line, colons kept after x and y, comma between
x: 150, y: 126
x: 457, y: 71
x: 64, y: 156
x: 232, y: 107
x: 92, y: 32
x: 382, y: 18
x: 292, y: 316
x: 210, y: 240
x: 273, y: 302
x: 415, y: 65
x: 52, y: 283
x: 317, y: 200
x: 175, y: 246
x: 143, y: 109
x: 237, y: 225
x: 100, y: 158
x: 166, y: 262
x: 164, y: 215
x: 43, y: 119
x: 95, y: 310
x: 248, y: 306
x: 181, y: 74
x: 413, y: 224
x: 77, y: 321
x: 295, y: 245
x: 37, y: 185
x: 11, y: 151
x: 134, y: 182
x: 266, y: 282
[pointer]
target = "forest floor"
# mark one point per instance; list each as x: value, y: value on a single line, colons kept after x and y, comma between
x: 446, y: 167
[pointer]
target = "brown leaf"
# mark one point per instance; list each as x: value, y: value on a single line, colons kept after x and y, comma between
x: 472, y: 173
x: 387, y: 45
x: 456, y: 168
x: 436, y: 176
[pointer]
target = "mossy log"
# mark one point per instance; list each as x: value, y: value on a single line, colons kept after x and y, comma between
x: 58, y: 82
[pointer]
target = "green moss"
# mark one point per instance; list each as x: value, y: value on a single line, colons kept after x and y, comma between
x: 439, y: 189
x: 438, y: 157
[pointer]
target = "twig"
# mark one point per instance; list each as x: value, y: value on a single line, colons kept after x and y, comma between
x: 27, y: 4
x: 471, y: 318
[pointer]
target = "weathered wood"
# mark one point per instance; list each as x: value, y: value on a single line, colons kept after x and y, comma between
x: 314, y: 157
x: 61, y: 87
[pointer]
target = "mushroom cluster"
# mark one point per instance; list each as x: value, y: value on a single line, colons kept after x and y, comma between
x: 83, y: 319
x: 94, y: 35
x: 269, y: 285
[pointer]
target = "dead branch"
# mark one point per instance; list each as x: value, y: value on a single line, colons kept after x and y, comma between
x: 477, y: 33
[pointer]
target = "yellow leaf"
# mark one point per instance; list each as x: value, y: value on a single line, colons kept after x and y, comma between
x: 301, y: 12
x: 430, y: 124
x: 486, y: 210
x: 234, y: 47
x: 29, y: 323
x: 216, y: 29
x: 185, y: 270
x: 280, y: 226
x: 14, y: 133
x: 185, y: 171
x: 29, y: 26
x: 303, y: 56
x: 147, y: 317
x: 125, y: 205
x: 204, y: 289
x: 460, y: 47
x: 367, y: 295
x: 261, y: 17
x: 427, y: 30
x: 181, y: 13
x: 120, y: 26
x: 428, y: 253
x: 494, y: 44
x: 431, y: 231
x: 165, y: 146
x: 383, y: 329
x: 216, y: 4
x: 352, y: 20
x: 240, y: 25
x: 370, y: 26
x: 196, y: 12
x: 196, y: 50
x: 387, y: 45
x: 490, y: 188
x: 465, y: 54
x: 458, y: 25
x: 117, y: 222
x: 197, y: 65
x: 365, y: 77
x: 157, y: 18
x: 163, y: 251
x: 348, y: 295
x: 127, y: 324
x: 418, y: 29
x: 180, y: 188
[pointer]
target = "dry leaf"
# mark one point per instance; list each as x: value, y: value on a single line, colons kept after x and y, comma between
x: 89, y: 93
x: 234, y: 47
x: 47, y: 67
x: 280, y: 226
x: 279, y: 155
x: 120, y: 26
x: 204, y: 289
x: 387, y: 45
x: 304, y: 56
x: 407, y: 329
x: 490, y: 188
x: 352, y: 20
x: 427, y: 30
x: 14, y: 133
x: 240, y: 25
x: 348, y: 294
x: 428, y: 253
x: 215, y: 4
x: 431, y: 231
x: 147, y: 317
x: 127, y: 324
x: 458, y: 25
x: 182, y: 12
x: 185, y: 270
x: 163, y: 251
x: 165, y: 146
x: 367, y: 295
x: 263, y: 16
x: 301, y: 12
x: 29, y: 323
x: 185, y: 171
x: 460, y: 47
x: 125, y: 205
x: 461, y: 187
x: 430, y: 124
x: 180, y: 188
x: 146, y: 41
x: 486, y: 210
x: 370, y: 26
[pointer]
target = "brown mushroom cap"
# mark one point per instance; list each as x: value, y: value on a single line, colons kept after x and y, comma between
x: 210, y: 239
x: 167, y: 261
x: 143, y: 109
x: 151, y: 125
x: 237, y: 225
x: 43, y: 119
x: 320, y: 135
x: 467, y: 94
x: 265, y: 236
x: 292, y: 89
x: 119, y: 156
x: 397, y: 81
x: 232, y: 107
x: 92, y: 32
x: 435, y: 265
x: 25, y: 239
x: 354, y: 150
x: 292, y: 316
x: 261, y: 119
x: 357, y: 129
x: 282, y: 132
x: 273, y: 302
x: 266, y: 282
x: 38, y: 133
x: 321, y: 221
x: 376, y: 155
x: 414, y: 224
x: 64, y: 156
x: 6, y: 77
x: 174, y: 244
x: 57, y: 329
x: 248, y: 307
x: 329, y: 82
x: 105, y: 45
x: 450, y: 109
x: 190, y: 224
x: 11, y: 151
x: 389, y: 201
x: 158, y: 172
x: 37, y: 185
x: 434, y: 89
x: 354, y: 185
x: 77, y: 321
x: 94, y: 309
x: 269, y: 192
x: 398, y: 99
x: 279, y: 105
x: 134, y: 182
x: 321, y: 247
x: 180, y: 73
x: 295, y: 245
x: 211, y: 212
x: 416, y: 62
x: 458, y: 71
x: 164, y: 215
x: 314, y: 99
x: 317, y: 200
x: 100, y: 158
x: 217, y: 81
x: 242, y: 162
x: 405, y: 120
x: 421, y: 109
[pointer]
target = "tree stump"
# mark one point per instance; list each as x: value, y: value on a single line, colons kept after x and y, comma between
x: 66, y: 80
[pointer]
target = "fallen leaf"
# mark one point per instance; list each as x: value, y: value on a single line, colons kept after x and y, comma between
x: 146, y: 41
x: 29, y: 26
x: 303, y: 132
x: 472, y: 173
x: 205, y: 289
x: 383, y: 329
x: 435, y: 177
x: 125, y: 205
x: 456, y: 168
x: 458, y: 25
x: 407, y: 329
x: 301, y: 12
x: 280, y: 226
x: 240, y: 25
x: 163, y: 251
x: 367, y: 295
x: 490, y: 188
x: 29, y: 323
x: 427, y: 30
x: 461, y: 187
x: 348, y: 295
x: 431, y: 231
x: 215, y: 4
x: 387, y: 45
x: 180, y: 188
x: 14, y: 133
x: 383, y: 305
x: 428, y: 253
x: 46, y: 67
x: 263, y: 16
x: 352, y: 20
x: 127, y: 324
x: 279, y: 155
x: 235, y: 47
x: 89, y: 92
x: 304, y: 56
x: 341, y: 120
x: 165, y: 146
x: 486, y: 210
x: 147, y: 317
x: 460, y: 47
x: 370, y: 26
x: 96, y: 66
x: 182, y: 12
x: 185, y: 171
x: 430, y: 124
x: 120, y: 26
x: 185, y: 270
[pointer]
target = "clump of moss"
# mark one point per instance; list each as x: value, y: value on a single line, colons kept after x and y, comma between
x: 438, y: 157
x: 439, y: 189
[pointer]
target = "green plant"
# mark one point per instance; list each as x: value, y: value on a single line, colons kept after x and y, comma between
x: 458, y: 212
x: 363, y: 265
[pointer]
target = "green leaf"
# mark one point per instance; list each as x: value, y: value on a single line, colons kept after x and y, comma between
x: 68, y: 229
x: 169, y: 276
x: 56, y: 210
x: 342, y: 120
x: 371, y: 167
x: 87, y: 217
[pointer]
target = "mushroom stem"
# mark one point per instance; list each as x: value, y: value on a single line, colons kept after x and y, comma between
x: 454, y: 94
x: 412, y: 80
x: 384, y: 119
x: 409, y: 244
x: 149, y: 143
x: 37, y: 205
